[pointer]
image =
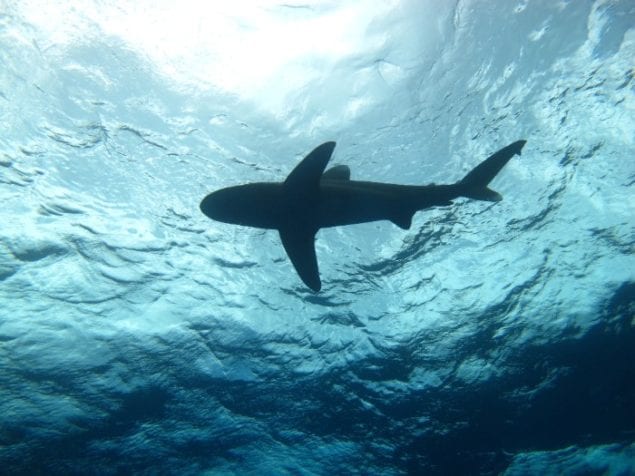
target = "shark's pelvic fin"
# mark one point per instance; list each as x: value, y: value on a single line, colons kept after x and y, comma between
x: 339, y: 172
x: 299, y: 243
x: 474, y: 184
x: 305, y: 177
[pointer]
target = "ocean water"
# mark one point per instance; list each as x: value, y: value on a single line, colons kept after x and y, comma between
x: 139, y: 337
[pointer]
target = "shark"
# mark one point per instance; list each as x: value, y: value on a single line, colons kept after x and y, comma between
x: 313, y: 197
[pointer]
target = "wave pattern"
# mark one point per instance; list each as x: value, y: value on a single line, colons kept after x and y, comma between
x: 136, y: 336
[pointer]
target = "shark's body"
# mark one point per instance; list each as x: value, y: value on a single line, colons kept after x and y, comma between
x: 310, y: 199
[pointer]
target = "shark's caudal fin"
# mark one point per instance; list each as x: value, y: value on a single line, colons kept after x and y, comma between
x: 474, y: 184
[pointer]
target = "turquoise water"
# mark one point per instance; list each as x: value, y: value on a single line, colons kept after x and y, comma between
x: 138, y: 336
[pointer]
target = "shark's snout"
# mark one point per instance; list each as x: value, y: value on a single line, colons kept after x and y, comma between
x: 209, y: 206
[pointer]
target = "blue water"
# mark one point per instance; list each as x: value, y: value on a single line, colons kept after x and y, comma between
x: 137, y: 336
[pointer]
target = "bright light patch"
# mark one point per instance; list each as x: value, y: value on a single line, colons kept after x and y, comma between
x: 240, y: 47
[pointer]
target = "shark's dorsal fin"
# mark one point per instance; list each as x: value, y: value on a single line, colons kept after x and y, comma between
x: 339, y: 172
x: 299, y: 245
x: 307, y: 174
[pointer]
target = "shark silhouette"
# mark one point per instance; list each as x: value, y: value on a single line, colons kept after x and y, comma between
x: 310, y: 199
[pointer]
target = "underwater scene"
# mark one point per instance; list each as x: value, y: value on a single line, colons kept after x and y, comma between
x: 317, y: 237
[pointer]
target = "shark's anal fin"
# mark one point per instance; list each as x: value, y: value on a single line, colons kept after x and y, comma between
x: 299, y: 245
x: 305, y: 177
x: 339, y: 172
x: 402, y: 218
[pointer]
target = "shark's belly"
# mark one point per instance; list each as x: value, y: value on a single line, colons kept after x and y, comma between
x: 347, y: 207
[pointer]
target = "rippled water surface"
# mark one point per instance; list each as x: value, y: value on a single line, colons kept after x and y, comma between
x: 138, y: 336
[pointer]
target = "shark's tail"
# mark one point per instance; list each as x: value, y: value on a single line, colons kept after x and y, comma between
x: 474, y: 184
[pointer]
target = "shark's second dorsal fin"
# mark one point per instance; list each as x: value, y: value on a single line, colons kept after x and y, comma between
x: 307, y: 174
x: 339, y: 172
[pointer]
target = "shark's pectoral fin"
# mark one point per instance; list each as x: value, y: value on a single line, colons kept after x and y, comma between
x: 402, y: 218
x: 299, y: 245
x: 305, y: 177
